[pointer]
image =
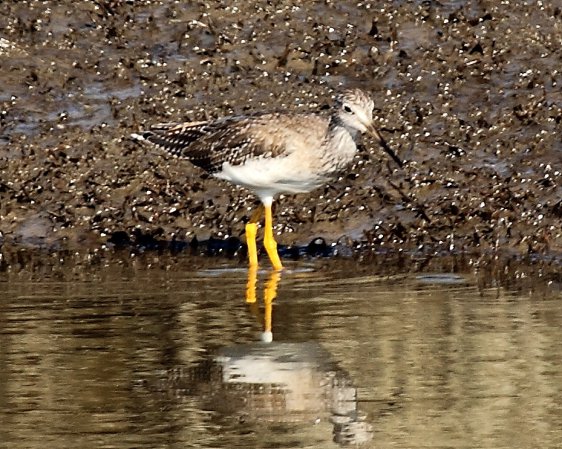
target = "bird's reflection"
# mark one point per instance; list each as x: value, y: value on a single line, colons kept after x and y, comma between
x: 290, y: 382
x: 276, y: 382
x: 269, y: 294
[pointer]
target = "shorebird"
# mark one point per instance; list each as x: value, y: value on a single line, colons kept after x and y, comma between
x: 273, y: 153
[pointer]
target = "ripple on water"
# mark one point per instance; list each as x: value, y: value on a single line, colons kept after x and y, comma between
x: 167, y: 355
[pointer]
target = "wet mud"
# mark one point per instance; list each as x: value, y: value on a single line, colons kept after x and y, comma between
x: 467, y: 93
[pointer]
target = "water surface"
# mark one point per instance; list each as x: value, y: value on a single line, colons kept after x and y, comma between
x: 163, y: 355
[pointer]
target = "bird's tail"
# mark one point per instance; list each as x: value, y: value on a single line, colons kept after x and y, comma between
x: 138, y: 137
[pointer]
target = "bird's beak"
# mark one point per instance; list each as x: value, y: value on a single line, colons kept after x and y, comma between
x: 371, y: 130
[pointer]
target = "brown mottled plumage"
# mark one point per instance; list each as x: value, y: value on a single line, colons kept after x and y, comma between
x: 233, y: 139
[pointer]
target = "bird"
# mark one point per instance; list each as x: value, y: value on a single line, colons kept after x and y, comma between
x: 270, y: 153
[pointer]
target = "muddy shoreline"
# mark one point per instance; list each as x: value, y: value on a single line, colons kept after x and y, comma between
x: 469, y: 95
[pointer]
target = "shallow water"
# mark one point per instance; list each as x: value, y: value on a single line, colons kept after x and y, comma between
x: 163, y: 356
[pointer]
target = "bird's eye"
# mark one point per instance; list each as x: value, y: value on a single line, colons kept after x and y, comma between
x: 347, y: 109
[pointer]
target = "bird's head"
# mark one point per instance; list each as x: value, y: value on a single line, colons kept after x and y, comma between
x: 355, y: 112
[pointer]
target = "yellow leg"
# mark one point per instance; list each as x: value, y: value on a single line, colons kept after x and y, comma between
x: 269, y: 241
x: 251, y: 232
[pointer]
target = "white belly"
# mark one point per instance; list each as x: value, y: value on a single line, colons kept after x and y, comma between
x: 302, y: 170
x: 273, y: 176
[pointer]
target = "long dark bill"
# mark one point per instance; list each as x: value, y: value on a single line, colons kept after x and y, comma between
x: 375, y: 133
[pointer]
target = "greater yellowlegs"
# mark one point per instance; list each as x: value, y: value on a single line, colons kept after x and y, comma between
x: 272, y: 153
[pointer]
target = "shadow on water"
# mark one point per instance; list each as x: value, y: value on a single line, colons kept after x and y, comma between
x: 171, y: 352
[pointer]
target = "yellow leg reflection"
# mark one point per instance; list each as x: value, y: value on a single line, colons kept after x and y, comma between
x: 251, y: 284
x: 269, y: 241
x: 269, y: 295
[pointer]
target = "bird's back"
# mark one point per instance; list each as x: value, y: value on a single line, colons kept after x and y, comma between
x: 237, y: 140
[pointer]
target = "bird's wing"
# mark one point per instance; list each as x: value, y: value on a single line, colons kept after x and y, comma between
x: 173, y: 137
x: 233, y: 140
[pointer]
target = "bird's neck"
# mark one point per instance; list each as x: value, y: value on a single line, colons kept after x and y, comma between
x: 337, y: 126
x: 340, y: 145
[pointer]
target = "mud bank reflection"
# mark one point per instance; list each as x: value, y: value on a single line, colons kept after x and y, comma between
x: 161, y: 356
